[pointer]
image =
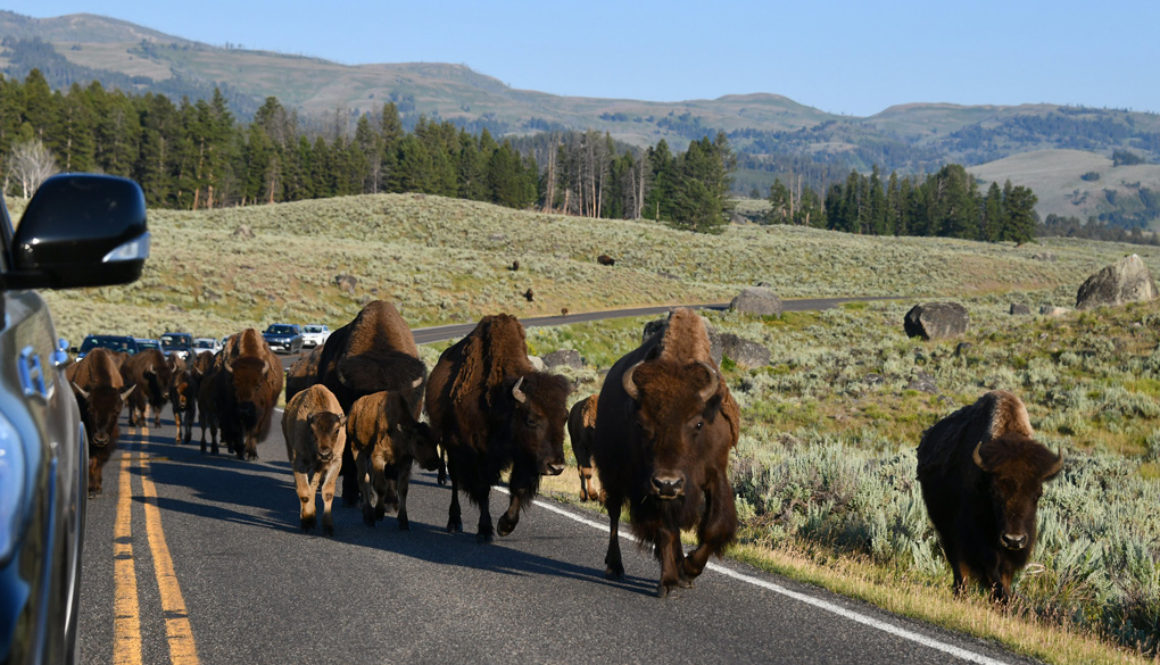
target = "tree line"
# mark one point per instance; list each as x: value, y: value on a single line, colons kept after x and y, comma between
x: 195, y: 155
x: 947, y: 203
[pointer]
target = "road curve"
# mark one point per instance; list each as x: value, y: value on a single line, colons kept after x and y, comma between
x: 209, y: 550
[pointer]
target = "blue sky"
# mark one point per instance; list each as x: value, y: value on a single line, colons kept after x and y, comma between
x: 855, y: 58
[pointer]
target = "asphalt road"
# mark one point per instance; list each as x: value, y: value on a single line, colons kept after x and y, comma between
x: 214, y: 569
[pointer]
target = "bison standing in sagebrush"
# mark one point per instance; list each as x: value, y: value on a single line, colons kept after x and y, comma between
x: 665, y: 423
x: 315, y: 430
x: 982, y: 474
x: 491, y: 410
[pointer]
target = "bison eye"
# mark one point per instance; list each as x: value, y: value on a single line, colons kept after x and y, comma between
x: 531, y: 421
x: 699, y: 425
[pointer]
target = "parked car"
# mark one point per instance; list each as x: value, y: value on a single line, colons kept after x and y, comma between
x: 144, y: 343
x: 111, y: 342
x: 283, y: 337
x: 177, y: 343
x: 202, y: 344
x: 314, y: 334
x: 78, y: 230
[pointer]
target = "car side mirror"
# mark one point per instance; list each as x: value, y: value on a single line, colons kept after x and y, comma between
x: 80, y: 230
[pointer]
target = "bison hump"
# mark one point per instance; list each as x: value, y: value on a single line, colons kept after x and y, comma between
x: 383, y: 370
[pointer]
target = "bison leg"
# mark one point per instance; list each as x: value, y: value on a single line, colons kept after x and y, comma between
x: 251, y: 446
x: 717, y: 529
x: 585, y: 479
x: 441, y: 478
x: 349, y: 478
x: 157, y: 416
x: 403, y: 480
x: 485, y: 533
x: 668, y: 550
x: 454, y: 514
x: 614, y: 566
x: 328, y: 484
x: 94, y: 476
x: 305, y: 489
x: 370, y: 498
x: 508, y: 521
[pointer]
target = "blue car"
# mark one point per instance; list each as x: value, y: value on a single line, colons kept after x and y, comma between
x: 111, y: 342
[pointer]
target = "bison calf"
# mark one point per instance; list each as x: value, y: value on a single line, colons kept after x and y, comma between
x: 581, y: 429
x: 982, y: 474
x: 385, y: 439
x: 315, y: 431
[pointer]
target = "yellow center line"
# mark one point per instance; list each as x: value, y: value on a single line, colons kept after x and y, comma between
x: 182, y: 649
x: 126, y: 614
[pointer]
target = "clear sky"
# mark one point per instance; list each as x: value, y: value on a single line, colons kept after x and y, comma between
x: 852, y: 57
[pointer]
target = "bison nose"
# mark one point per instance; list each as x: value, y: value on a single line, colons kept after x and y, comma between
x: 555, y: 468
x: 1014, y: 541
x: 668, y: 486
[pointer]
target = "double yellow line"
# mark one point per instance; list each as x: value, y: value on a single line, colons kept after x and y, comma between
x: 127, y: 644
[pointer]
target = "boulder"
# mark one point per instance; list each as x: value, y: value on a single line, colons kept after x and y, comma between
x: 923, y: 383
x: 563, y: 358
x: 1052, y: 310
x: 744, y: 352
x: 757, y: 300
x: 1126, y: 280
x: 936, y: 320
x: 1018, y: 308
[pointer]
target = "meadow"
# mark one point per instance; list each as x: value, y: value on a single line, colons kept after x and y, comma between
x: 825, y: 469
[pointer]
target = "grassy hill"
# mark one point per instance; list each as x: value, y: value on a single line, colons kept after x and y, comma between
x: 824, y: 471
x: 1074, y: 183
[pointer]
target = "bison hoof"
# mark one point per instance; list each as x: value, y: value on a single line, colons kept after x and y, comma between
x: 454, y: 525
x: 368, y: 516
x: 505, y: 525
x: 404, y: 524
x: 328, y: 530
x: 484, y: 537
x: 307, y: 523
x: 662, y: 590
x: 614, y: 571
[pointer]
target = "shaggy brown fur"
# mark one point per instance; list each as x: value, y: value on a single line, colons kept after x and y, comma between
x: 247, y: 379
x: 385, y: 439
x: 490, y: 411
x: 315, y: 431
x: 152, y: 374
x: 982, y: 474
x: 664, y: 448
x: 374, y: 352
x: 100, y: 392
x: 581, y: 429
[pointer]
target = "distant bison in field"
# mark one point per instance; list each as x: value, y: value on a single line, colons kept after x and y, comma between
x: 605, y: 260
x: 665, y: 423
x: 982, y: 474
x: 514, y: 266
x: 528, y: 295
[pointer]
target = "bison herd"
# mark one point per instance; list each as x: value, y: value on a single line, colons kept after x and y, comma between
x: 658, y: 433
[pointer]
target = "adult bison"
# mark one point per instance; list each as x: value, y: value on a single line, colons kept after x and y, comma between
x: 385, y: 439
x: 581, y: 429
x: 152, y: 374
x: 982, y: 474
x: 665, y: 422
x: 101, y: 394
x: 491, y: 410
x: 247, y: 379
x: 374, y: 352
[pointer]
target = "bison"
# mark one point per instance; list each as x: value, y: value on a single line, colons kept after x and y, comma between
x: 101, y: 395
x: 374, y: 352
x: 183, y: 396
x: 492, y: 411
x: 152, y: 374
x: 303, y: 373
x: 982, y: 474
x: 246, y: 382
x: 315, y: 430
x: 385, y: 439
x: 206, y: 367
x: 664, y: 426
x: 581, y: 428
x: 605, y: 260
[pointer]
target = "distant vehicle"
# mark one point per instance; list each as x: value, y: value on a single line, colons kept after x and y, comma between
x: 177, y: 343
x: 210, y: 344
x: 314, y: 334
x: 144, y: 343
x: 283, y: 337
x: 111, y: 342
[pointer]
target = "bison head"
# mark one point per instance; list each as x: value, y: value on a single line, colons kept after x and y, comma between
x: 101, y: 407
x: 248, y: 375
x: 329, y: 430
x: 677, y: 406
x: 1015, y: 468
x: 537, y: 416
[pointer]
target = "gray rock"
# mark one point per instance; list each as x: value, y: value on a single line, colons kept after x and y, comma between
x: 565, y: 358
x: 744, y: 352
x: 1018, y: 308
x: 1052, y: 310
x: 757, y: 300
x: 923, y: 382
x: 1126, y: 280
x: 936, y: 320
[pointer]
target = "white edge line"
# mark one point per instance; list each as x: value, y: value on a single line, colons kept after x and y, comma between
x: 957, y: 652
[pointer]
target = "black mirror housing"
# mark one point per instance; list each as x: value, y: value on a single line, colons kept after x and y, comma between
x: 80, y: 230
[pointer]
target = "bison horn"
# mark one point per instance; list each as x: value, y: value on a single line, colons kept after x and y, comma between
x: 80, y: 391
x: 125, y: 393
x: 629, y: 384
x: 419, y: 381
x: 979, y: 458
x: 520, y: 396
x: 1055, y: 468
x: 711, y: 389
